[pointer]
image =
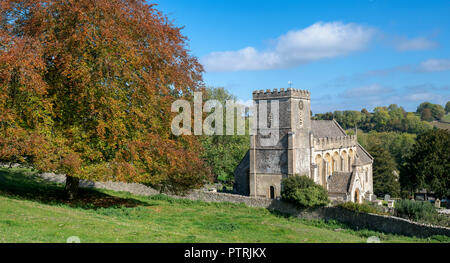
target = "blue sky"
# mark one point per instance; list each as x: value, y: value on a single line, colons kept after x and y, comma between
x: 349, y: 54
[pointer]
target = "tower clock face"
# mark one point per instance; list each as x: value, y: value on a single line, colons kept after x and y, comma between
x: 300, y: 114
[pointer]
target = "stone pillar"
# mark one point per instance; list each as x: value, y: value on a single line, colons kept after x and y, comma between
x: 315, y: 172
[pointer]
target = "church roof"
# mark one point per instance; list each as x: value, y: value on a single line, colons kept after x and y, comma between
x: 363, y: 156
x: 244, y: 164
x: 339, y: 182
x: 326, y: 128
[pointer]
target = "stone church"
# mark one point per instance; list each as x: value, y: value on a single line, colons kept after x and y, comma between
x: 319, y: 149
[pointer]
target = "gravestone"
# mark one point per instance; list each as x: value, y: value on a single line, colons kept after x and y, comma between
x: 387, y: 197
x: 373, y: 198
x: 391, y: 203
x: 379, y: 202
x: 437, y: 203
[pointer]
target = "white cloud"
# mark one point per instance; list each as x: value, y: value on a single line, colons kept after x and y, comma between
x: 318, y: 41
x: 374, y: 95
x: 373, y: 90
x: 419, y: 43
x: 422, y: 96
x: 433, y: 65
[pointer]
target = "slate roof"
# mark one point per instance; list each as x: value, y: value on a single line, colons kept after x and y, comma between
x: 339, y: 182
x: 326, y: 128
x: 363, y: 156
x: 244, y: 164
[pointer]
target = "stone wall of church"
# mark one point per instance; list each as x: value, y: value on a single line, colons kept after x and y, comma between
x: 273, y: 161
x: 364, y: 175
x: 326, y: 161
x: 265, y: 183
x: 334, y: 143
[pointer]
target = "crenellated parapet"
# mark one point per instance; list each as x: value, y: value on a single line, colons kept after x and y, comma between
x: 282, y: 93
x: 334, y: 142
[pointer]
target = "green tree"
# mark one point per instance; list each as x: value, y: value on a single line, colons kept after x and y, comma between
x: 427, y: 115
x: 224, y: 152
x: 303, y: 192
x: 447, y: 107
x: 428, y: 164
x: 398, y: 144
x: 413, y: 124
x: 435, y: 110
x: 397, y: 116
x: 385, y: 173
x: 381, y: 118
x: 323, y: 116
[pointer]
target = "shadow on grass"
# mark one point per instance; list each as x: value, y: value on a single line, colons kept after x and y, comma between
x: 25, y: 184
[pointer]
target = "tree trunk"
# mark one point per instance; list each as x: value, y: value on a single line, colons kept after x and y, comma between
x: 71, y: 189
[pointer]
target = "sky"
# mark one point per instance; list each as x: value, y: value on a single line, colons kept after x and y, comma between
x: 349, y: 54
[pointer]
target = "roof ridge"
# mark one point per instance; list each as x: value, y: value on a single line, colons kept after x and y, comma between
x: 362, y: 148
x: 242, y: 160
x: 339, y: 126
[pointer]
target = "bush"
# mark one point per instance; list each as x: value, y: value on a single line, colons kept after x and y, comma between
x: 303, y: 192
x: 415, y: 210
x: 362, y: 208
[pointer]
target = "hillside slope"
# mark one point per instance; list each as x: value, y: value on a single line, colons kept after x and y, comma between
x: 32, y: 210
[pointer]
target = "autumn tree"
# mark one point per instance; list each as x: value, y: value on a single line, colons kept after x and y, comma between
x: 86, y: 88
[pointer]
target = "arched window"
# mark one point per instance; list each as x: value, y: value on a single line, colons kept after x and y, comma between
x: 335, y: 162
x: 350, y: 160
x: 344, y: 161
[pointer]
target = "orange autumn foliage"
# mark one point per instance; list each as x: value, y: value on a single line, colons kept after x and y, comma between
x: 86, y: 88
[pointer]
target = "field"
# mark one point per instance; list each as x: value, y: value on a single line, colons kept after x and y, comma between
x: 33, y: 210
x: 444, y: 124
x: 441, y: 125
x: 446, y: 118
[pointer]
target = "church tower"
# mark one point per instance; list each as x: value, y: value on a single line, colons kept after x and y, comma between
x: 281, y: 144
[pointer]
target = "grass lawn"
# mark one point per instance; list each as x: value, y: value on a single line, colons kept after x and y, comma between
x: 446, y: 118
x: 441, y: 125
x: 33, y: 210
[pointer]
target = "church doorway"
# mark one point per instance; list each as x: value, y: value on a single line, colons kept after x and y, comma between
x: 272, y: 192
x: 357, y: 196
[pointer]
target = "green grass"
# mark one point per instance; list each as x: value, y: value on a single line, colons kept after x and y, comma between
x: 446, y: 118
x: 441, y: 125
x: 33, y: 210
